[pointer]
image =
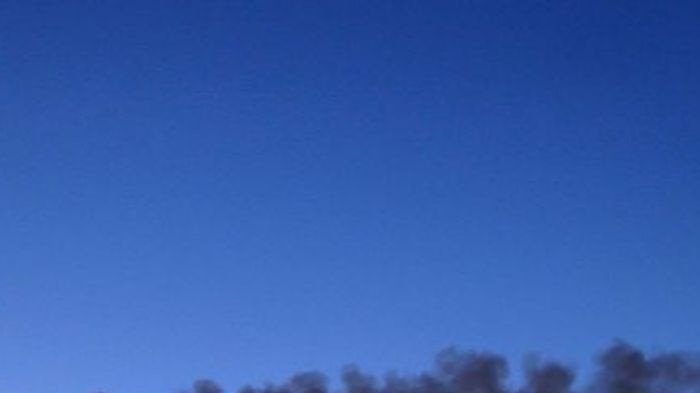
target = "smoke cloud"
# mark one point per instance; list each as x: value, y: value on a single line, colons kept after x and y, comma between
x: 620, y: 368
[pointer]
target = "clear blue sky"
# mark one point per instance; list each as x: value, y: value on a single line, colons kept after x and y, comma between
x: 243, y: 189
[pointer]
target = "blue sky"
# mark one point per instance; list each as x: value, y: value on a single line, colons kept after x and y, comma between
x: 241, y: 190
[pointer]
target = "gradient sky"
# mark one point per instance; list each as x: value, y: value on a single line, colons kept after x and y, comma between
x: 243, y: 189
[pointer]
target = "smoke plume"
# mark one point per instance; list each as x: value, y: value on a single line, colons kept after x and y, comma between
x: 621, y: 368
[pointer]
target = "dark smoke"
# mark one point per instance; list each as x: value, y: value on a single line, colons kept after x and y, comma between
x: 626, y: 369
x: 308, y: 382
x: 621, y: 368
x: 207, y: 386
x: 548, y: 378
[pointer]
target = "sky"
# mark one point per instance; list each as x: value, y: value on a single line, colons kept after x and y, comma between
x: 243, y: 189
